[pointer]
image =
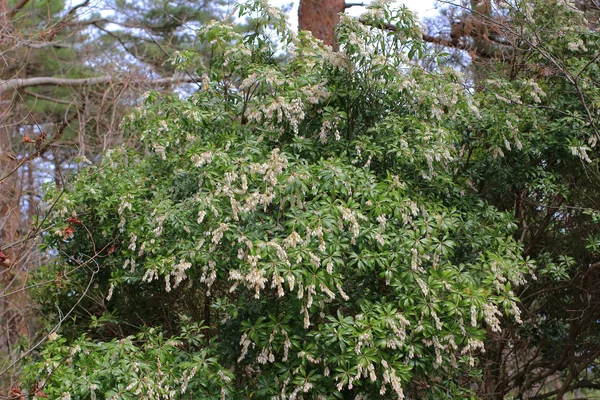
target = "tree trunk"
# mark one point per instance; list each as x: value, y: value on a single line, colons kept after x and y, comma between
x: 320, y: 17
x: 13, y: 309
x: 10, y: 213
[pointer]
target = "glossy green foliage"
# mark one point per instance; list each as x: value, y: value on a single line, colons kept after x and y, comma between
x: 308, y: 209
x: 534, y: 153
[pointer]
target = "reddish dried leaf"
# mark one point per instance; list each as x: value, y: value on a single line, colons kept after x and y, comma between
x: 16, y: 394
x: 58, y: 279
x: 37, y: 391
x: 5, y: 261
x: 27, y: 139
x: 74, y: 220
x: 68, y: 232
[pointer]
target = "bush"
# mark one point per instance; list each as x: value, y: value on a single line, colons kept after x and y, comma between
x: 297, y: 228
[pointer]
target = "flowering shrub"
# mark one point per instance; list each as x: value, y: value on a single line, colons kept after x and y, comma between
x: 306, y: 207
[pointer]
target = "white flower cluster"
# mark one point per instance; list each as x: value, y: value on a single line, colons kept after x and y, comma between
x: 581, y: 152
x: 202, y: 159
x: 255, y: 279
x: 326, y: 128
x: 577, y: 45
x: 351, y: 217
x: 398, y: 326
x: 472, y: 346
x: 490, y: 315
x: 266, y: 354
x: 280, y: 109
x: 515, y: 131
x: 157, y: 221
x: 161, y: 151
x: 179, y: 272
x: 124, y: 205
x: 315, y: 94
x: 389, y: 377
x: 187, y: 377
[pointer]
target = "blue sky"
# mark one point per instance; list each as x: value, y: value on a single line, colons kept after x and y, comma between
x: 423, y: 8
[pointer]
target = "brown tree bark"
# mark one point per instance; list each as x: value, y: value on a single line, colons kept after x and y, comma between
x: 10, y: 215
x: 14, y: 310
x: 320, y: 17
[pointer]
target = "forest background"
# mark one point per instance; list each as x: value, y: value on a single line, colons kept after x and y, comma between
x: 527, y: 149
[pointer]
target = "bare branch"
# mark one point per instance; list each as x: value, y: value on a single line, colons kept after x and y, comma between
x: 348, y: 5
x: 48, y: 98
x: 20, y: 83
x: 496, y: 50
x: 61, y: 22
x: 18, y: 7
x: 95, y: 21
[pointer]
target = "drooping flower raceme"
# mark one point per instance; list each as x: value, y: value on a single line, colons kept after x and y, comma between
x: 305, y: 208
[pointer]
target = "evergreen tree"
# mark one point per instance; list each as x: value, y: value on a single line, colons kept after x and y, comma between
x: 295, y: 229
